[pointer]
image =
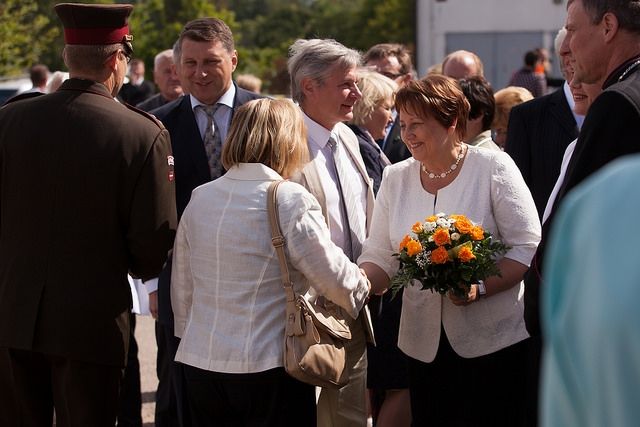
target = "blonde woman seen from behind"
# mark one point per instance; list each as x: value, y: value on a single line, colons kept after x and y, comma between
x: 226, y: 291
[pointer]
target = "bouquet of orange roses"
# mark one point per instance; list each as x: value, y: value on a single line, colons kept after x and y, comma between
x: 447, y: 254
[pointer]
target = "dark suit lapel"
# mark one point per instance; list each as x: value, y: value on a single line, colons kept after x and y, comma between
x: 559, y: 107
x: 191, y: 140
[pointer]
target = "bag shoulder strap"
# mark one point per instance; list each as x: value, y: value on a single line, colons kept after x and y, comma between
x: 277, y: 239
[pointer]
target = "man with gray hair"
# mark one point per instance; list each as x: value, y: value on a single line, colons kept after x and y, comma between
x: 538, y: 134
x: 323, y: 83
x: 602, y: 44
x: 165, y: 77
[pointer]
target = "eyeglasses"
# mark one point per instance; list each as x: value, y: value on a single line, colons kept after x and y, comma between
x: 392, y: 76
x: 126, y: 56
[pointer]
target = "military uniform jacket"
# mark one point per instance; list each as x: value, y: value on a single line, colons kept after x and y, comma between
x: 86, y: 195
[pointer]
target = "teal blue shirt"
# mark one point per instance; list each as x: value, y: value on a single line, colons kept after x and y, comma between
x: 591, y: 304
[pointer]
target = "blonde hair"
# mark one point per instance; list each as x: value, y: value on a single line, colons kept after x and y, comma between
x: 267, y: 131
x: 506, y: 99
x: 436, y: 96
x: 375, y: 89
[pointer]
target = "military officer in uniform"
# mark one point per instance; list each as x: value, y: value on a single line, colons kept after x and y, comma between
x: 86, y: 195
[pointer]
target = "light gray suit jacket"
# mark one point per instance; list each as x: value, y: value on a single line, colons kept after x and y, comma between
x: 309, y: 178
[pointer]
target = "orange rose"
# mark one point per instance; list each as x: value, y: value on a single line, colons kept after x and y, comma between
x: 477, y: 233
x: 404, y: 242
x: 441, y: 237
x: 439, y: 255
x: 459, y: 217
x: 431, y: 218
x: 463, y: 225
x: 417, y: 227
x: 466, y: 254
x: 413, y: 247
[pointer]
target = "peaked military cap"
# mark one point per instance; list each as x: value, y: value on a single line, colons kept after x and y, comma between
x: 95, y: 24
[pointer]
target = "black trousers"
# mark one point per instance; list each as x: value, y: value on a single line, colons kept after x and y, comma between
x: 453, y: 391
x: 171, y: 405
x: 83, y: 394
x: 262, y: 399
x: 130, y: 407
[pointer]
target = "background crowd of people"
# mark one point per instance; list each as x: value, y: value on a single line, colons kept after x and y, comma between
x: 168, y: 185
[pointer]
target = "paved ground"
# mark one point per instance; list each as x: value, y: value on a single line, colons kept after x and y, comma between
x: 145, y: 335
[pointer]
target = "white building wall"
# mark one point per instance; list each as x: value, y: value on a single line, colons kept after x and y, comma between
x: 436, y: 19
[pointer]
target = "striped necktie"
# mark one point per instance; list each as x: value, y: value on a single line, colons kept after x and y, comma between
x: 355, y: 224
x: 213, y: 141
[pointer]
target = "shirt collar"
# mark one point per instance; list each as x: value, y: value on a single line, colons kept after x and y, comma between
x: 579, y: 118
x: 252, y: 172
x: 226, y: 98
x: 316, y: 133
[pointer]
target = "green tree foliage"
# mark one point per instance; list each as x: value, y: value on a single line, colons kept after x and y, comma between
x: 156, y: 24
x: 270, y: 26
x: 263, y: 29
x: 25, y: 36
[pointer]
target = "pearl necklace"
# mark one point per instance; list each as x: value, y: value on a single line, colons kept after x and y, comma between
x: 453, y: 167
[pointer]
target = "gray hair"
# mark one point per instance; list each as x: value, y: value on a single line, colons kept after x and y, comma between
x: 626, y: 11
x: 315, y: 59
x: 159, y: 57
x: 557, y: 44
x: 88, y: 58
x: 177, y: 52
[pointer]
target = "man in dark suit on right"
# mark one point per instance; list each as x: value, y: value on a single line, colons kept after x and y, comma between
x: 539, y: 132
x: 205, y: 60
x: 603, y: 42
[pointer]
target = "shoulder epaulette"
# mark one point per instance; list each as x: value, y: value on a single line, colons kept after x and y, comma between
x: 145, y: 114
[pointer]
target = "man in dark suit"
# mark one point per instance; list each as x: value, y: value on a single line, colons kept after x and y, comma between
x: 539, y: 132
x: 603, y: 44
x: 86, y: 196
x: 393, y: 61
x: 166, y: 78
x: 205, y: 60
x: 137, y: 89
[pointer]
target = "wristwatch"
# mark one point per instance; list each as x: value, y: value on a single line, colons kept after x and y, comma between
x: 482, y: 289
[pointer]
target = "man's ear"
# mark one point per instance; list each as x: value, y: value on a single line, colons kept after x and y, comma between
x: 234, y: 60
x: 112, y: 61
x: 610, y: 26
x: 308, y: 86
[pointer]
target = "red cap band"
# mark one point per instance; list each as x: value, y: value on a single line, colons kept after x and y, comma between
x: 92, y: 36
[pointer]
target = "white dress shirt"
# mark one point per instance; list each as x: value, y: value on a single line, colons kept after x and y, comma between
x: 490, y: 191
x: 572, y: 105
x: 226, y: 287
x: 222, y: 116
x: 320, y: 152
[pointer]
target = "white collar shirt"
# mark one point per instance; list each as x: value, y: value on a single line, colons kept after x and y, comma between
x: 320, y: 153
x: 572, y: 105
x: 222, y: 117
